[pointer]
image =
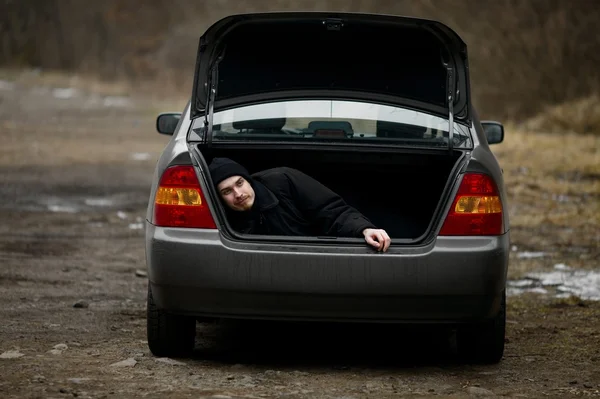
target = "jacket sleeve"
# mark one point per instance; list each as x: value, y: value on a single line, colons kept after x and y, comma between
x: 325, y: 208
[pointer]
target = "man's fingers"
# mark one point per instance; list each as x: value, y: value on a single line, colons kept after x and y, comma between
x: 378, y: 239
x: 388, y: 241
x: 371, y: 241
x: 383, y: 239
x: 375, y: 243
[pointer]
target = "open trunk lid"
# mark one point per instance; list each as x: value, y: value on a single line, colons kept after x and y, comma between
x: 409, y: 62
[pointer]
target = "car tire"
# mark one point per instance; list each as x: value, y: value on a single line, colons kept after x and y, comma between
x: 168, y: 335
x: 483, y: 343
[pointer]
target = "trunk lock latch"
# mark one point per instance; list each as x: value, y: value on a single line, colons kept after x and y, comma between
x: 333, y: 24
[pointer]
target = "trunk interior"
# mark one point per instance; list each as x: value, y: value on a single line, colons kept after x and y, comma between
x: 397, y: 191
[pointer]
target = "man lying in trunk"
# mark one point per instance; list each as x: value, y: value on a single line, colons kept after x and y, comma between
x: 285, y: 201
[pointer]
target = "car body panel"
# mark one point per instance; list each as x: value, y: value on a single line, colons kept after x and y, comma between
x: 203, y: 264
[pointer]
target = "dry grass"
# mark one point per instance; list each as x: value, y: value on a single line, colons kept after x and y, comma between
x: 579, y: 116
x: 553, y: 184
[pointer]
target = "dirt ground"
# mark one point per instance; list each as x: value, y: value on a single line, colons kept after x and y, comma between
x: 75, y: 169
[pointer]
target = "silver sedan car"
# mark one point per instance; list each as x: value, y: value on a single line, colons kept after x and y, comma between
x: 377, y: 108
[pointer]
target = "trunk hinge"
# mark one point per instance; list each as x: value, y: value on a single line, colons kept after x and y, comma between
x: 210, y: 100
x: 208, y: 115
x: 451, y: 93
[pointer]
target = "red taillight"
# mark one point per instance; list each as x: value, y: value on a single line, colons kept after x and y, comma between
x: 179, y: 201
x: 476, y: 210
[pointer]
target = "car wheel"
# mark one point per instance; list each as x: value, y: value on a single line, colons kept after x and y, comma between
x: 168, y: 335
x: 483, y: 343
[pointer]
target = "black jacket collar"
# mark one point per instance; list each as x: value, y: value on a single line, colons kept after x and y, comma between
x: 264, y: 198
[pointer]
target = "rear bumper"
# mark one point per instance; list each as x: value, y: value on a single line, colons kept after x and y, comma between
x: 197, y: 272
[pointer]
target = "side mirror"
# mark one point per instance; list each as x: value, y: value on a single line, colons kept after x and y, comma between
x: 167, y: 122
x: 494, y: 131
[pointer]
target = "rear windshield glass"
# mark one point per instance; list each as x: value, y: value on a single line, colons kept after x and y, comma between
x: 333, y: 120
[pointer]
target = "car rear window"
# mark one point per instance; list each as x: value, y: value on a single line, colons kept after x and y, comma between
x: 334, y: 120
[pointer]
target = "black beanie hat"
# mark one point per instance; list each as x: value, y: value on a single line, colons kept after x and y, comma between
x: 222, y: 168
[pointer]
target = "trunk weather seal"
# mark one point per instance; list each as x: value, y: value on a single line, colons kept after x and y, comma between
x: 231, y: 234
x: 441, y: 209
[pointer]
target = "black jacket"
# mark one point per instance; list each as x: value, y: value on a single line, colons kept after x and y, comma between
x: 288, y: 202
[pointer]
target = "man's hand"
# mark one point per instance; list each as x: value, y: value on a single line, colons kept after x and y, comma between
x: 377, y: 238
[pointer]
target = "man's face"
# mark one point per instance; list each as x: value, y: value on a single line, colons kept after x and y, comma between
x: 237, y: 193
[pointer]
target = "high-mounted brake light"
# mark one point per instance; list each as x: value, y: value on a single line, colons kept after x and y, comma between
x: 179, y: 200
x: 476, y: 209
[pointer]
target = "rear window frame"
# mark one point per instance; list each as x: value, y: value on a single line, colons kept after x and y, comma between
x: 433, y: 122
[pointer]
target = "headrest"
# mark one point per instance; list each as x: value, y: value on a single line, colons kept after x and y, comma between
x: 260, y: 124
x: 399, y: 130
